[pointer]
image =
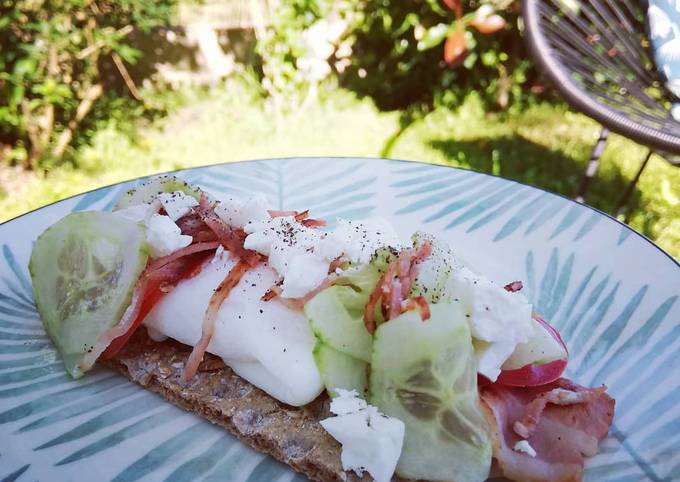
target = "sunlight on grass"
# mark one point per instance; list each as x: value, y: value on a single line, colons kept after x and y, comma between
x: 546, y: 146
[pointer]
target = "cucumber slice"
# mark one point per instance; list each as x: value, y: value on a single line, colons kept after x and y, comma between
x: 434, y: 278
x: 424, y: 374
x: 336, y: 314
x: 383, y: 257
x: 334, y: 325
x: 339, y: 370
x: 147, y: 192
x: 83, y: 270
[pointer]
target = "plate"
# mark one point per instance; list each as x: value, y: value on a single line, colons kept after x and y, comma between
x: 611, y: 292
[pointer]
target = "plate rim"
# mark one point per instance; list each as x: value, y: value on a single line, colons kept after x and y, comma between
x: 344, y: 158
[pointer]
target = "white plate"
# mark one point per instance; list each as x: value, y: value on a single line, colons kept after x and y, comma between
x: 611, y: 292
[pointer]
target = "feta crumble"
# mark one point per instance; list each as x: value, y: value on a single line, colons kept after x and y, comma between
x: 302, y: 255
x: 360, y: 240
x: 499, y: 320
x: 523, y: 446
x: 370, y: 441
x: 140, y: 213
x: 239, y: 212
x: 164, y: 236
x: 176, y: 204
x: 293, y: 251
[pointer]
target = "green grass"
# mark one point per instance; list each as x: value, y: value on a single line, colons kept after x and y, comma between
x: 545, y: 145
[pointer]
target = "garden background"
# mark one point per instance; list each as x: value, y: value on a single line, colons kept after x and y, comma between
x: 98, y: 91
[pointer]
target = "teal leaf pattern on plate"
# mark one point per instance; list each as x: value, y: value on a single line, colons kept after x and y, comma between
x: 606, y: 344
x: 344, y: 191
x: 622, y: 325
x: 16, y: 474
x: 485, y: 199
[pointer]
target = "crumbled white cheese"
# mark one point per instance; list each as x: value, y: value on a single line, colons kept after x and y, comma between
x: 176, y: 204
x: 359, y: 240
x: 280, y: 233
x: 523, y: 446
x: 164, y: 236
x: 300, y: 254
x: 302, y: 274
x: 370, y: 441
x: 239, y: 212
x: 499, y: 320
x: 293, y: 252
x: 140, y: 213
x: 490, y: 356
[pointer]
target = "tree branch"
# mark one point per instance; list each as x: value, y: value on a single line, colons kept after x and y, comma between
x: 90, y: 96
x: 126, y: 76
x: 90, y: 49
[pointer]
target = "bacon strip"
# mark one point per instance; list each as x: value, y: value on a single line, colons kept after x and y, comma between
x: 208, y: 327
x: 272, y: 293
x: 232, y: 239
x: 300, y: 216
x: 151, y: 286
x: 180, y: 253
x: 335, y: 264
x: 418, y: 303
x: 277, y: 214
x: 192, y: 225
x: 382, y: 289
x: 297, y: 304
x: 314, y: 223
x: 564, y: 394
x: 394, y: 287
x: 394, y: 306
x: 562, y: 437
x: 514, y: 286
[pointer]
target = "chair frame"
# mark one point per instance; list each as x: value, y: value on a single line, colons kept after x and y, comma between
x: 647, y: 122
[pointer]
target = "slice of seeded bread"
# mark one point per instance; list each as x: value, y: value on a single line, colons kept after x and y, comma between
x: 289, y: 434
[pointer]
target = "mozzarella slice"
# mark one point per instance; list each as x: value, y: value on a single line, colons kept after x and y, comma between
x: 266, y: 343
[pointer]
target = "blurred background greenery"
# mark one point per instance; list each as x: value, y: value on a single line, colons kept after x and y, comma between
x: 98, y: 91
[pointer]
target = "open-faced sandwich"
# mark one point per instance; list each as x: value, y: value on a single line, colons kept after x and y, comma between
x: 347, y: 353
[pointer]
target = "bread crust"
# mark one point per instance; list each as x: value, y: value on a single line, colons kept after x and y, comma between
x: 290, y: 434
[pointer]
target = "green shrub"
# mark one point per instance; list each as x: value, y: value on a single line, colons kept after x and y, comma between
x: 294, y: 49
x: 51, y: 83
x: 399, y: 54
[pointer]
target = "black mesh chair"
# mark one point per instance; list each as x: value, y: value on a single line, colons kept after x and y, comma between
x: 597, y: 54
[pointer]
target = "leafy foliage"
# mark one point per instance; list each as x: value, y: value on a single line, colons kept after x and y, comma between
x: 296, y: 49
x: 426, y: 52
x: 51, y: 78
x: 544, y: 145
